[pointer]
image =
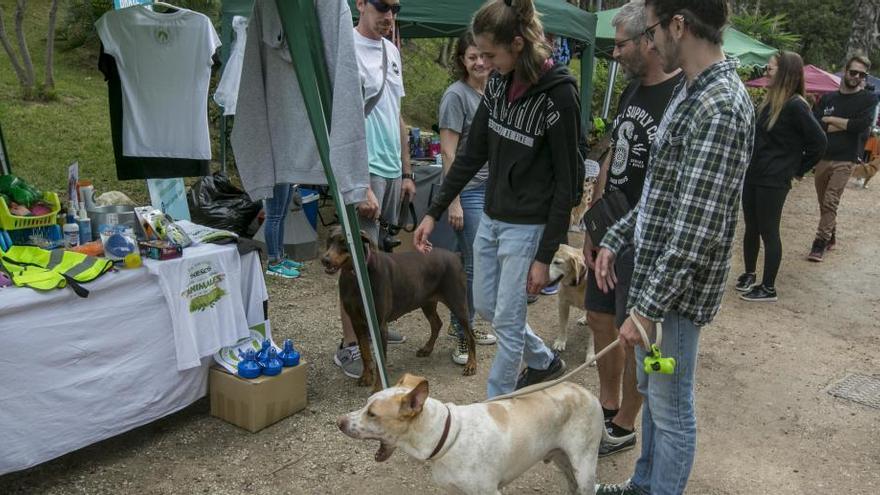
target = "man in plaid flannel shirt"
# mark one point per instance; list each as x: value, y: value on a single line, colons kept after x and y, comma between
x: 683, y: 229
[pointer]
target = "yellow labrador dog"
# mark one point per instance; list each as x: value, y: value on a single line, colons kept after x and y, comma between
x: 569, y: 269
x: 479, y: 448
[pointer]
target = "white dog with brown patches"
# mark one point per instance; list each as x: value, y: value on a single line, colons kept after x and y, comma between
x: 480, y: 448
x: 569, y: 269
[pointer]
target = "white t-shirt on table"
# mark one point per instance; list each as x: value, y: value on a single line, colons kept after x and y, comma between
x: 164, y: 62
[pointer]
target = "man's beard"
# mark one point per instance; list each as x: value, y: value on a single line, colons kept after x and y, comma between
x: 850, y: 84
x: 670, y: 56
x: 632, y: 71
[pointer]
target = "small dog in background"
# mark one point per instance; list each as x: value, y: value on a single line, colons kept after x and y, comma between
x: 479, y: 448
x: 864, y: 172
x: 577, y: 213
x: 569, y: 269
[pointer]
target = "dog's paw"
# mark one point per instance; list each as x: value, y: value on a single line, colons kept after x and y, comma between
x: 365, y: 380
x: 469, y: 369
x: 582, y: 321
x: 424, y: 352
x: 559, y: 345
x: 592, y: 359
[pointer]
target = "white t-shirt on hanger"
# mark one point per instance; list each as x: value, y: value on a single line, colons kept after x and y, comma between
x: 164, y: 62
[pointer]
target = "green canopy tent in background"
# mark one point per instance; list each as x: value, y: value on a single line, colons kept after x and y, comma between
x: 748, y: 50
x: 449, y: 18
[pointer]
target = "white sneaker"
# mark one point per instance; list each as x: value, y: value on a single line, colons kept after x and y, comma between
x: 484, y: 338
x: 460, y: 354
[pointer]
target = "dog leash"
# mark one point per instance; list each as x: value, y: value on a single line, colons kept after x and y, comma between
x: 544, y: 385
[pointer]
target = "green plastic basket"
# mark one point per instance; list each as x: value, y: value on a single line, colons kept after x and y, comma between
x: 8, y: 221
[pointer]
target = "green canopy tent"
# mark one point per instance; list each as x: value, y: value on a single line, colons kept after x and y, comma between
x: 449, y: 18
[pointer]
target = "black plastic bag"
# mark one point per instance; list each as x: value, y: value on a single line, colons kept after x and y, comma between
x: 215, y: 202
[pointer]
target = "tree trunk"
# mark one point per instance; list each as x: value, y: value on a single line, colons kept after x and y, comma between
x: 444, y: 58
x: 864, y: 36
x: 49, y: 85
x: 7, y: 47
x: 23, y: 51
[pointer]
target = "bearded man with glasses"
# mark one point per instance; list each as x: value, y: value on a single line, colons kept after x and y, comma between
x: 682, y: 230
x: 846, y: 116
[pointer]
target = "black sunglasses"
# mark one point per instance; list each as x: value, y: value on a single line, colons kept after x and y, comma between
x: 383, y: 7
x: 857, y: 73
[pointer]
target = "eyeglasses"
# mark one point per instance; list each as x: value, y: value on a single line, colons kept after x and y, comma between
x: 649, y: 31
x: 857, y: 73
x: 383, y: 7
x: 620, y: 44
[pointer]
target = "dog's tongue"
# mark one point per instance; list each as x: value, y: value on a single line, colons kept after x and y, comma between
x: 384, y: 452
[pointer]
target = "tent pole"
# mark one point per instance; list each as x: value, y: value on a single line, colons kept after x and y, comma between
x: 588, y: 62
x: 5, y: 166
x: 299, y: 19
x: 609, y: 91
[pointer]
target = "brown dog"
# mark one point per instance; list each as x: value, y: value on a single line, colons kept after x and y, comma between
x: 401, y: 283
x: 864, y: 172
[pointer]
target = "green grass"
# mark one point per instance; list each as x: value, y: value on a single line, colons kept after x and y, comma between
x: 44, y: 138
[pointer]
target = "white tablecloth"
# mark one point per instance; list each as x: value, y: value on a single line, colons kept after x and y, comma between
x: 76, y: 371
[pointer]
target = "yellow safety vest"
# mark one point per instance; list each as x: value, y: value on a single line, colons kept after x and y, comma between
x: 41, y: 269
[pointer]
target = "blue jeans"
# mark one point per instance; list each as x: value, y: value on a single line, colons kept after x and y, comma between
x: 669, y: 422
x: 276, y: 210
x: 503, y: 254
x: 472, y: 201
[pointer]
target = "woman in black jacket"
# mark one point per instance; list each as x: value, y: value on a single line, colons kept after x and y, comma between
x: 788, y: 143
x: 527, y: 127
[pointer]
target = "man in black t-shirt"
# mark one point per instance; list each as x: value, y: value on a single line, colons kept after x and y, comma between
x: 640, y: 110
x: 845, y: 115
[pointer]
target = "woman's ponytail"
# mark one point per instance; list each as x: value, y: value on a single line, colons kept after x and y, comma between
x: 507, y: 19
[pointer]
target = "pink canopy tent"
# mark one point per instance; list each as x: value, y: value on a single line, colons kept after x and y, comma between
x: 816, y: 81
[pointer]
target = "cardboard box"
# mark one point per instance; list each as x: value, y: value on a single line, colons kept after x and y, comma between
x: 258, y: 403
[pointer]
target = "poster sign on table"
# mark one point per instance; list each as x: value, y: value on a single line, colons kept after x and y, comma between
x: 169, y: 196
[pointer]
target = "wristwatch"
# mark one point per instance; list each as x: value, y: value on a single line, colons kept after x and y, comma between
x: 411, y: 177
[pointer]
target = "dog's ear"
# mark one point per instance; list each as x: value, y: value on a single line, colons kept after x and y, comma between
x: 414, y: 401
x: 409, y: 381
x: 368, y: 242
x: 580, y: 268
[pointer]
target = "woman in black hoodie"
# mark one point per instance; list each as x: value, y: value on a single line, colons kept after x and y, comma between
x: 788, y: 143
x: 527, y: 128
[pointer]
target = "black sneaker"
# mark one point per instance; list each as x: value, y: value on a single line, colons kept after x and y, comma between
x: 760, y: 293
x: 531, y: 376
x: 745, y: 282
x: 616, y: 443
x: 817, y: 252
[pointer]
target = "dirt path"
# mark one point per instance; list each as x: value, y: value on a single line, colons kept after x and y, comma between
x: 766, y: 423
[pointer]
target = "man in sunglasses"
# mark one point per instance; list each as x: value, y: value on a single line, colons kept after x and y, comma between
x: 846, y: 116
x: 682, y: 229
x: 391, y: 177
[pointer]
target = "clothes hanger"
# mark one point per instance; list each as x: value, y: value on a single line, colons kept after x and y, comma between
x: 169, y: 9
